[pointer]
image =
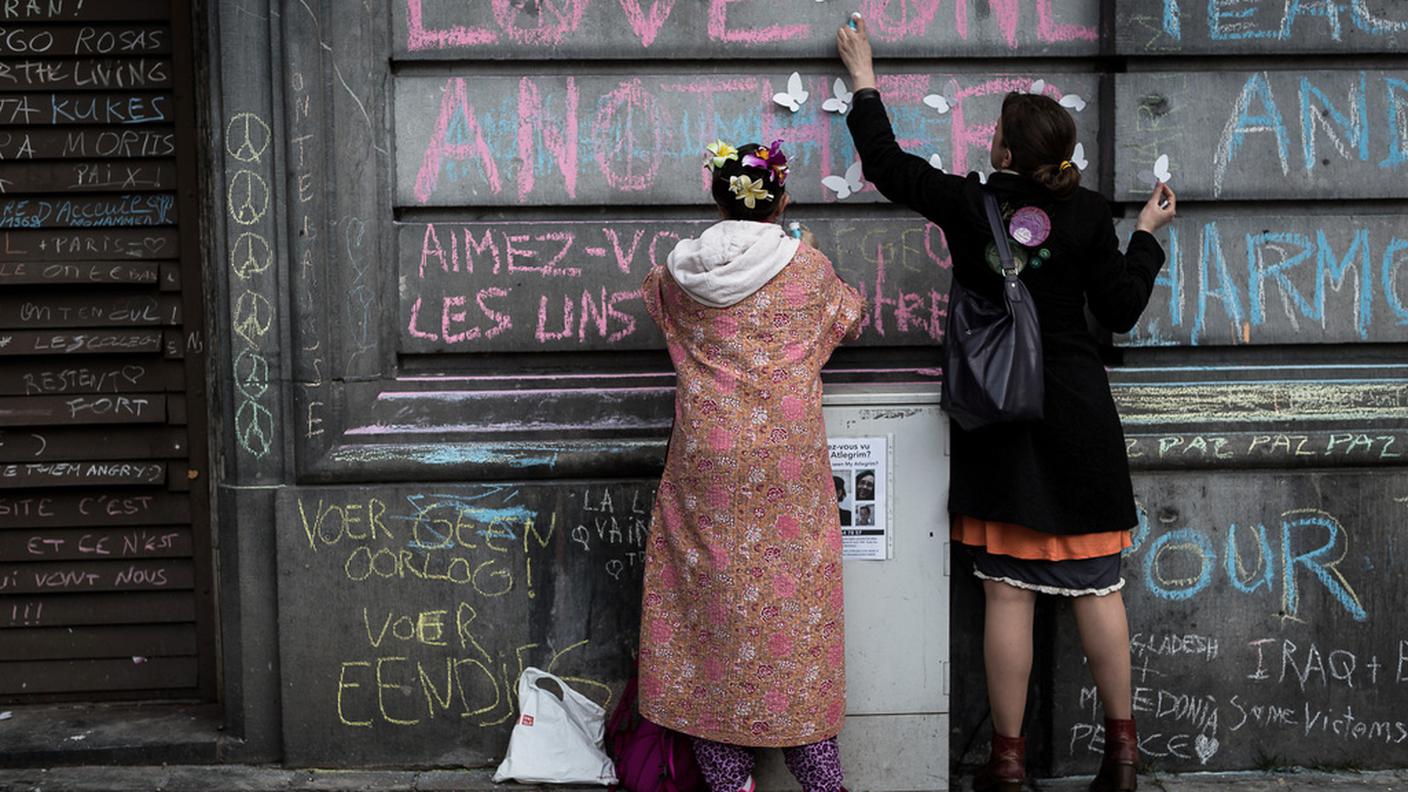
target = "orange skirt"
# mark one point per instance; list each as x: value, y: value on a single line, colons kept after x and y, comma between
x: 1018, y: 541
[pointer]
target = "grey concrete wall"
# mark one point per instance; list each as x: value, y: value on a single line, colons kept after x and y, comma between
x: 413, y: 197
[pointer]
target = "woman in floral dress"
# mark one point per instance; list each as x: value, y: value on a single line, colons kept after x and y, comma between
x: 742, y: 628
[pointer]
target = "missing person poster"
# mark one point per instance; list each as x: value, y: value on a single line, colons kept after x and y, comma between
x: 860, y: 469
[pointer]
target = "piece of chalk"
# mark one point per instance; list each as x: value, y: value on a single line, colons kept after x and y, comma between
x: 852, y: 21
x: 794, y: 229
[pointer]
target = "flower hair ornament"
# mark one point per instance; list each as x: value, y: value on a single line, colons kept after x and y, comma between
x: 770, y: 160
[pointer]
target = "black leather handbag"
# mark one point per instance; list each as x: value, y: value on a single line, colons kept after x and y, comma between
x: 992, y: 351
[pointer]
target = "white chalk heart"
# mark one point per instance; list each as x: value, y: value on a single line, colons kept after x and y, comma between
x: 1205, y: 747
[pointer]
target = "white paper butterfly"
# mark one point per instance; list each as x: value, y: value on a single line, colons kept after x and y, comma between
x: 1073, y: 101
x: 795, y: 95
x: 840, y: 102
x: 848, y: 185
x: 1160, y: 173
x: 945, y: 101
x: 936, y: 162
x: 1078, y: 157
x: 982, y: 178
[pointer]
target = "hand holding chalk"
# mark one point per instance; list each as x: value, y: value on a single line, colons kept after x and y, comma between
x: 853, y: 44
x: 1160, y: 209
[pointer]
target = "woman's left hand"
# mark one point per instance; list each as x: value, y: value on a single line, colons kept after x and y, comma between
x: 854, y: 46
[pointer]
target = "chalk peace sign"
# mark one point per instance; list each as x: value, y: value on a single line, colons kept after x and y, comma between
x: 247, y: 137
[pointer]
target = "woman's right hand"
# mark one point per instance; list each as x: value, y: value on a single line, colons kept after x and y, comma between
x: 854, y: 46
x: 1159, y: 210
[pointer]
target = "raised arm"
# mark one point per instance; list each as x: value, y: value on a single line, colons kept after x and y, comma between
x: 1117, y: 285
x: 903, y: 178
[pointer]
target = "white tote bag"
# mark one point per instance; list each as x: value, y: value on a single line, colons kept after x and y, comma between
x: 556, y: 740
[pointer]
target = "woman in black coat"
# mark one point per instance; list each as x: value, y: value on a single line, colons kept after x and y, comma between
x: 1045, y: 506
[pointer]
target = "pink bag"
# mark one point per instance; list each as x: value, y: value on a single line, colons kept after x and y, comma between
x: 648, y: 756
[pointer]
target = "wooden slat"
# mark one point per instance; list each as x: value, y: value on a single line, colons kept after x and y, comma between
x: 83, y: 10
x: 100, y: 641
x: 29, y: 41
x: 86, y: 74
x: 92, y: 143
x: 118, y: 472
x: 72, y: 610
x: 128, y: 210
x: 92, y: 508
x: 76, y: 676
x: 114, y: 244
x: 87, y: 576
x: 92, y: 442
x: 62, y: 273
x: 90, y: 176
x: 95, y: 342
x: 87, y: 309
x: 70, y: 544
x: 35, y: 378
x: 78, y: 409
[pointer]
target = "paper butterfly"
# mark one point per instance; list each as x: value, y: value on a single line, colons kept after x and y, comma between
x: 936, y: 162
x: 1158, y: 174
x: 840, y: 101
x: 848, y: 185
x: 1073, y: 101
x: 794, y: 96
x: 945, y: 101
x: 1078, y: 157
x: 982, y: 178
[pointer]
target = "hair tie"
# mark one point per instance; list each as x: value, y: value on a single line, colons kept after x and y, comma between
x: 1066, y: 164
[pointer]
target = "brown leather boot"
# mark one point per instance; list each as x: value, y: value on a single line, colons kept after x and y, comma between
x: 1006, y: 767
x: 1119, y: 768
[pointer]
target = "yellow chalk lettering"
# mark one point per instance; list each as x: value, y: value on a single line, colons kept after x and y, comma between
x: 430, y: 628
x: 432, y: 696
x: 505, y: 578
x: 382, y: 686
x: 343, y: 684
x: 361, y: 561
x: 352, y: 516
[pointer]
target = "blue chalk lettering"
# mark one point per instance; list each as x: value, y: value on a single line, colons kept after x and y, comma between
x: 1185, y: 539
x: 1397, y: 122
x: 1225, y: 292
x: 1321, y: 562
x: 1388, y: 279
x: 1172, y: 277
x: 1218, y: 30
x: 1259, y: 87
x: 1355, y: 125
x: 1321, y: 8
x: 1332, y: 270
x: 1258, y: 271
x: 1172, y: 24
x: 1369, y: 23
x: 1235, y: 567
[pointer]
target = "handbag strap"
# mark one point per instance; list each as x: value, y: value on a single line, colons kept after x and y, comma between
x: 999, y: 234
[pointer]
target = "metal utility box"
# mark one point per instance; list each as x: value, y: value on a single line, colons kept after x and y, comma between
x: 897, y: 642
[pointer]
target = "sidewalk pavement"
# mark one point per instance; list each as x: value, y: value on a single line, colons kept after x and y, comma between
x: 246, y: 778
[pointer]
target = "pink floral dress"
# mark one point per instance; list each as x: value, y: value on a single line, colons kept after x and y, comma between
x: 742, y: 629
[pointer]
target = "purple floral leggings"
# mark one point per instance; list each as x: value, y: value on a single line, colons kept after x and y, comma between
x: 817, y: 766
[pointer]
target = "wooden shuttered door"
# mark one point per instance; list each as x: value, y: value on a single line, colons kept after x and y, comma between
x: 104, y: 533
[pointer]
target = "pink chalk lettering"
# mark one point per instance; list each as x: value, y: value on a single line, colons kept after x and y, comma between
x: 430, y: 246
x: 542, y: 333
x: 817, y: 131
x: 656, y: 252
x: 412, y: 327
x: 502, y: 321
x: 647, y: 26
x: 550, y: 268
x: 591, y: 308
x: 418, y: 38
x: 719, y: 29
x: 627, y: 319
x: 471, y: 247
x: 626, y: 164
x: 706, y: 90
x: 552, y: 20
x: 561, y: 141
x: 453, y: 313
x: 966, y: 137
x: 1048, y: 29
x: 933, y: 242
x: 454, y: 100
x: 624, y: 259
x: 1009, y: 18
x: 893, y: 20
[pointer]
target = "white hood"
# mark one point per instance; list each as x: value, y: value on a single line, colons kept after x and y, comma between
x: 730, y: 260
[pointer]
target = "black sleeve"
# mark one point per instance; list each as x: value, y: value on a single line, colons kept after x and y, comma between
x: 903, y: 178
x: 1117, y: 285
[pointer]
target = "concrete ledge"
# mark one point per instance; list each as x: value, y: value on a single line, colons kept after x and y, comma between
x: 110, y: 734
